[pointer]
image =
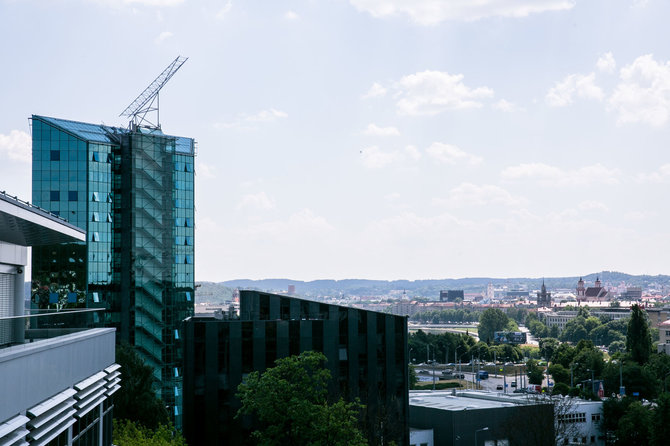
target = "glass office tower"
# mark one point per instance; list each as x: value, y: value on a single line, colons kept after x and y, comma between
x: 132, y: 191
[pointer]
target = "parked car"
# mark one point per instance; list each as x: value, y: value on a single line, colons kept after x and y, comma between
x: 499, y: 387
x: 513, y: 384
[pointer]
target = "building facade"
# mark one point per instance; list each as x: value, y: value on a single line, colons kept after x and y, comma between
x: 132, y: 191
x: 481, y: 418
x: 56, y: 381
x: 366, y: 352
x: 543, y: 297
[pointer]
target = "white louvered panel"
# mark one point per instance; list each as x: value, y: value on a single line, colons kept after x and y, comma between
x: 47, y: 437
x: 13, y: 424
x: 6, y: 307
x: 50, y: 414
x: 15, y: 438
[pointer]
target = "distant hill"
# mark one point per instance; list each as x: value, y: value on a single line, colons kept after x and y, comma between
x: 415, y: 288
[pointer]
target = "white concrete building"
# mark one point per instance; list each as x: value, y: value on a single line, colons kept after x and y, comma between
x: 55, y: 379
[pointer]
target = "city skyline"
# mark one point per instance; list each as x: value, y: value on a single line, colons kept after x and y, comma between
x: 377, y: 139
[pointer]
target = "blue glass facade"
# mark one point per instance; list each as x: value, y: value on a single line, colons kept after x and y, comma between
x: 132, y: 191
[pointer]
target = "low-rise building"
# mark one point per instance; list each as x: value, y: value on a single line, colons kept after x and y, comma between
x: 482, y: 418
x: 57, y: 376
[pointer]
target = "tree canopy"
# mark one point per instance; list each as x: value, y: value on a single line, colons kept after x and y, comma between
x: 136, y: 400
x: 490, y: 321
x: 128, y: 433
x: 638, y: 339
x: 291, y: 404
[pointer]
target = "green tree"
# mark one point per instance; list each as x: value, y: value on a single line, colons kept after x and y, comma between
x: 638, y: 340
x: 633, y: 427
x: 559, y: 373
x: 290, y: 400
x: 136, y: 400
x: 535, y: 372
x: 128, y: 433
x: 547, y: 347
x: 490, y: 321
x: 413, y: 377
x: 660, y: 428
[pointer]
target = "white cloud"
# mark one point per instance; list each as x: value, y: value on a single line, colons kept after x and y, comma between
x: 374, y: 130
x: 468, y: 194
x: 661, y: 175
x: 376, y: 91
x: 591, y: 205
x: 163, y: 36
x: 267, y: 115
x: 432, y: 12
x: 17, y: 146
x: 151, y: 3
x: 221, y: 14
x: 579, y: 85
x: 506, y: 106
x: 413, y: 152
x: 450, y: 154
x: 432, y: 92
x: 258, y: 201
x: 375, y: 158
x: 205, y: 170
x: 290, y: 15
x: 643, y: 94
x: 555, y: 176
x: 244, y: 120
x: 300, y: 225
x: 606, y: 63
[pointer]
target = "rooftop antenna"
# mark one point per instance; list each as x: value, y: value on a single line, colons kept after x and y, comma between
x: 147, y: 101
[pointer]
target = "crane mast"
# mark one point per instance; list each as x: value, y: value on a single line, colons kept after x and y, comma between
x: 143, y: 108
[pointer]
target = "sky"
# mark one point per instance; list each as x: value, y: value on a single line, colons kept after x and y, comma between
x: 377, y: 139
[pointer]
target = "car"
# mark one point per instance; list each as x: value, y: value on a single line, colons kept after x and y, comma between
x: 423, y: 371
x: 499, y: 387
x: 513, y: 384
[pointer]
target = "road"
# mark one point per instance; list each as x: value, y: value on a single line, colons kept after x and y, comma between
x: 490, y: 384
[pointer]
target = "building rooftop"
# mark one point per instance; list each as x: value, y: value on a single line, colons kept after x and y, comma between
x: 23, y: 224
x: 450, y: 400
x: 101, y: 133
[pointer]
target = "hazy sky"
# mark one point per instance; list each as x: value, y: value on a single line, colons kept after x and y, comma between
x: 380, y: 139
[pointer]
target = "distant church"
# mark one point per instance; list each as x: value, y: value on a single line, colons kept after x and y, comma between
x: 543, y: 297
x: 591, y: 293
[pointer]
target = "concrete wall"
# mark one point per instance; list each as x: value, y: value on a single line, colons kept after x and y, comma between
x: 33, y: 372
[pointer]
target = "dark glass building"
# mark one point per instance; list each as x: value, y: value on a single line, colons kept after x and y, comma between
x: 366, y: 352
x: 132, y: 192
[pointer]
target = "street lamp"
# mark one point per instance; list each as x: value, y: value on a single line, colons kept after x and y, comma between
x: 480, y: 430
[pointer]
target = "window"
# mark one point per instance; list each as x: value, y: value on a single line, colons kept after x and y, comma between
x: 178, y: 166
x: 109, y: 218
x: 95, y: 237
x: 188, y: 296
x: 176, y: 335
x: 595, y: 417
x: 109, y: 197
x: 188, y: 241
x: 95, y: 197
x: 96, y: 297
x: 188, y: 259
x: 95, y: 216
x: 55, y: 155
x: 54, y: 195
x: 188, y: 223
x: 72, y: 195
x: 189, y: 168
x: 96, y: 157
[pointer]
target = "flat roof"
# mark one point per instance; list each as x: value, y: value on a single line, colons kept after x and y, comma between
x: 449, y: 400
x: 24, y: 224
